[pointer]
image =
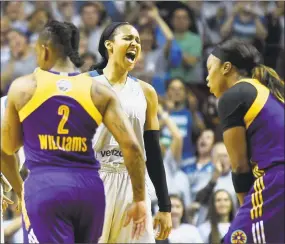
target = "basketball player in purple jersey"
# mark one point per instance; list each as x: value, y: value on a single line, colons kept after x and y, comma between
x: 54, y: 113
x: 251, y: 109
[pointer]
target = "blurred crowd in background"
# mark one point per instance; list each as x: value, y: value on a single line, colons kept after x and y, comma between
x: 176, y: 39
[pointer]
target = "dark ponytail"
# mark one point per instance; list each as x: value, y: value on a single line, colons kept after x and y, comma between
x: 248, y: 61
x: 268, y: 77
x: 108, y: 34
x: 66, y: 37
x: 74, y: 42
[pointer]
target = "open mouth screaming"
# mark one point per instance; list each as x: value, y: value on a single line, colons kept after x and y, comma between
x: 131, y: 56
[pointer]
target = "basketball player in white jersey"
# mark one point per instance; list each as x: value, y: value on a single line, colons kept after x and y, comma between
x: 120, y: 48
x: 16, y: 182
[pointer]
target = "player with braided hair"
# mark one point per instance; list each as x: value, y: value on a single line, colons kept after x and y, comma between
x: 54, y: 113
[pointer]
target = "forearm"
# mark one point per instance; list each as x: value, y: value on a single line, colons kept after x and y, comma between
x: 260, y: 29
x: 10, y: 169
x: 156, y: 169
x: 203, y: 196
x: 227, y: 27
x: 135, y: 164
x: 165, y: 28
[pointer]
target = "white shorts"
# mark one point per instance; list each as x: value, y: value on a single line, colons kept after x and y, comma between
x: 119, y: 196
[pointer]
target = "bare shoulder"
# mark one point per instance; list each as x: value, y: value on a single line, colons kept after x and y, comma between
x: 149, y: 91
x: 22, y: 90
x: 101, y: 96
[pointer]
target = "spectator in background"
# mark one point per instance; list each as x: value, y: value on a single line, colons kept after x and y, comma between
x: 36, y: 23
x: 91, y: 21
x: 89, y: 59
x: 83, y: 43
x: 220, y: 217
x: 22, y: 60
x: 275, y: 37
x: 190, y: 69
x: 154, y: 58
x: 15, y: 12
x: 200, y: 170
x: 177, y: 180
x: 245, y: 23
x: 67, y: 12
x: 5, y: 50
x: 176, y: 105
x: 221, y: 179
x: 210, y: 112
x: 181, y: 232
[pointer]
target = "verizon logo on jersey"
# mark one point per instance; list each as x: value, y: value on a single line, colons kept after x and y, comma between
x: 112, y: 152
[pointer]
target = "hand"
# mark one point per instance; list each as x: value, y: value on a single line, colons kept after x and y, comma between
x: 162, y: 219
x: 5, y: 202
x: 218, y: 170
x: 137, y: 213
x: 153, y: 13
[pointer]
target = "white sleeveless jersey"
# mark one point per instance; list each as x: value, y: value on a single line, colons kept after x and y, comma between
x: 134, y: 103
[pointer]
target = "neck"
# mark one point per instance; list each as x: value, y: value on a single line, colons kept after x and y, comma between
x: 203, y: 159
x: 233, y: 79
x: 114, y: 73
x: 224, y: 219
x: 63, y: 66
x: 175, y: 223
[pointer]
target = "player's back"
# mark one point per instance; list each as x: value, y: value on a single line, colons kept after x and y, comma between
x: 59, y: 122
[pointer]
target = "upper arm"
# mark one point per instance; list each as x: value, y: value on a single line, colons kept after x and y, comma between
x: 235, y: 103
x: 11, y: 128
x: 114, y: 117
x: 233, y: 106
x: 151, y: 122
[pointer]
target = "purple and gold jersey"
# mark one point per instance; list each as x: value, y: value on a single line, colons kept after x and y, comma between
x: 59, y: 122
x: 250, y: 104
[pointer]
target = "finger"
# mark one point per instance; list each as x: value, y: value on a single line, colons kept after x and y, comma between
x: 155, y: 223
x: 134, y: 230
x: 6, y: 199
x: 127, y: 220
x: 161, y: 232
x: 140, y: 230
x: 167, y: 233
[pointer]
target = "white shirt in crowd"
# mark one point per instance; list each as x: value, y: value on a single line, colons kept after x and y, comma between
x: 205, y: 230
x: 185, y: 233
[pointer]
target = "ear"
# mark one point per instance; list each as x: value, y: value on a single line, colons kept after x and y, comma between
x: 45, y: 52
x: 109, y: 45
x: 226, y: 68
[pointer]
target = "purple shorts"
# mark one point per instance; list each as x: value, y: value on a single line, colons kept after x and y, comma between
x: 63, y: 206
x: 261, y: 218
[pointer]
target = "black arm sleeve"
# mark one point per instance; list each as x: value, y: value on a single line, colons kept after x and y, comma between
x: 235, y: 103
x: 155, y: 169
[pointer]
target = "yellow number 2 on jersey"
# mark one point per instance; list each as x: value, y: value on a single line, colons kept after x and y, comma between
x: 63, y: 110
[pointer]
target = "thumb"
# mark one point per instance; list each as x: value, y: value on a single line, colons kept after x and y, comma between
x: 127, y: 220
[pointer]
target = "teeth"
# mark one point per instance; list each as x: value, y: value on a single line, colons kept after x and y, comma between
x: 132, y: 52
